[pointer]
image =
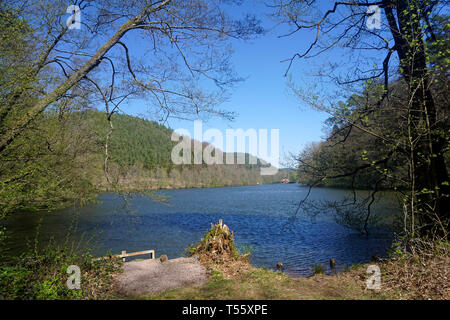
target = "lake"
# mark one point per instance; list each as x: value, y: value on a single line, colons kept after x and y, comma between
x: 260, y: 216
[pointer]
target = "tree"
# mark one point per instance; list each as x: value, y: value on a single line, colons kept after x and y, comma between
x: 407, y: 27
x: 180, y: 47
x: 183, y: 37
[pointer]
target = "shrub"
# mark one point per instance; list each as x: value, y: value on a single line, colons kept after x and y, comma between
x: 42, y: 275
x: 318, y: 269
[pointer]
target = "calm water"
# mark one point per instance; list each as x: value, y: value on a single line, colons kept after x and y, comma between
x: 259, y: 216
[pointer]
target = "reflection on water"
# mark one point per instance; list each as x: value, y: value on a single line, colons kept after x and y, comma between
x: 259, y: 216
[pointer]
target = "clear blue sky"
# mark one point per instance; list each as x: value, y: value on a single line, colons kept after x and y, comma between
x: 263, y: 101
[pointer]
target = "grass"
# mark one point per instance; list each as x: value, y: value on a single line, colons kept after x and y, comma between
x: 421, y: 273
x: 232, y: 277
x: 263, y: 284
x: 318, y: 269
x: 42, y: 273
x: 43, y: 276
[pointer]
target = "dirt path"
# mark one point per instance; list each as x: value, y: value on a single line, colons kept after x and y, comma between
x: 153, y: 276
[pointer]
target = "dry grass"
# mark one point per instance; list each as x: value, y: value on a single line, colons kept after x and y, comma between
x: 233, y: 277
x: 422, y: 274
x: 408, y: 277
x: 261, y: 284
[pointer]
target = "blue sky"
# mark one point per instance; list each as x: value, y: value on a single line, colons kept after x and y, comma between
x: 263, y: 100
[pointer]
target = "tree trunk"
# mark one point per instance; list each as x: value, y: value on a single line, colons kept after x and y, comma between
x: 430, y: 174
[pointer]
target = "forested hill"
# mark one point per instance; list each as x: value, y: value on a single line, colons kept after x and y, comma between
x: 133, y: 140
x: 140, y: 158
x: 61, y: 158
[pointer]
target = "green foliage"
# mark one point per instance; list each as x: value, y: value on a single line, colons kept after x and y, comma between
x: 60, y: 160
x: 43, y: 274
x: 140, y: 158
x: 318, y: 269
x: 216, y: 275
x: 2, y: 239
x: 40, y: 169
x: 48, y: 166
x: 245, y: 250
x: 16, y: 54
x: 438, y: 48
x: 135, y: 140
x: 349, y: 157
x: 397, y: 250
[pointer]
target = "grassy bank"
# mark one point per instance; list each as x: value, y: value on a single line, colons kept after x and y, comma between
x: 403, y: 278
x: 233, y: 277
x: 418, y: 273
x: 43, y: 274
x: 263, y: 284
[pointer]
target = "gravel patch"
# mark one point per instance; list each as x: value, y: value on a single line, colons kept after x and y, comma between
x: 153, y: 276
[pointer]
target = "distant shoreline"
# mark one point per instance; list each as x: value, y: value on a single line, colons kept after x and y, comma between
x: 183, y: 187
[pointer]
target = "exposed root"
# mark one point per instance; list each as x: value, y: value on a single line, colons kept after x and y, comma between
x: 217, y: 251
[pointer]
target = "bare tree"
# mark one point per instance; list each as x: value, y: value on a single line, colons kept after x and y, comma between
x: 163, y: 51
x: 396, y: 56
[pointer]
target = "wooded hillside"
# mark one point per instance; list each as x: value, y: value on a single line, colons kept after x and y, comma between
x: 49, y: 170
